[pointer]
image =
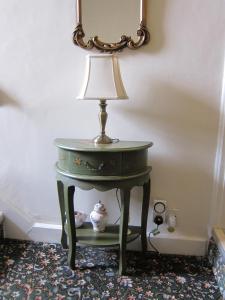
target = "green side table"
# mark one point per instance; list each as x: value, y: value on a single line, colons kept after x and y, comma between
x: 84, y: 165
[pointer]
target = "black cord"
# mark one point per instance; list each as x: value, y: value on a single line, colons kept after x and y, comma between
x: 118, y: 201
x: 149, y: 236
x: 115, y: 140
x: 117, y: 197
x: 150, y: 242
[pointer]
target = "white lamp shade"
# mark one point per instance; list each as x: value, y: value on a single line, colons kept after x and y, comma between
x: 102, y: 79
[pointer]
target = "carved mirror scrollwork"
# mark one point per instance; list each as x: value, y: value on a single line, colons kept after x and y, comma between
x: 126, y: 41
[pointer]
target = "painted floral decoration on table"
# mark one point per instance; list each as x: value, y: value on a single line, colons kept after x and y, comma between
x: 37, y: 271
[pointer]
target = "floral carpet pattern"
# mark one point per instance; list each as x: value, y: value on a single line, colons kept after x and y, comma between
x: 217, y: 260
x: 38, y: 271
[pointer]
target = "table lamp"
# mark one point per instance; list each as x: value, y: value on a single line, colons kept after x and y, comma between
x: 102, y: 82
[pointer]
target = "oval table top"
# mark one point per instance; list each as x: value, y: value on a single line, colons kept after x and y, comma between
x: 90, y: 146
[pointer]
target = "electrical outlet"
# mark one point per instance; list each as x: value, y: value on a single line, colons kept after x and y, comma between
x: 171, y: 219
x: 159, y: 211
x: 172, y: 211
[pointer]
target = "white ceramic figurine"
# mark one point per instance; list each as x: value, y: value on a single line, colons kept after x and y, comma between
x: 98, y: 217
x: 79, y: 218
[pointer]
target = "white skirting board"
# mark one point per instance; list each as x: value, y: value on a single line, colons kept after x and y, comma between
x: 17, y: 221
x: 170, y: 244
x: 183, y: 245
x: 42, y: 232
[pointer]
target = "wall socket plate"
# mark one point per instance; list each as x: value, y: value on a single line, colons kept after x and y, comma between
x: 172, y: 211
x: 159, y: 209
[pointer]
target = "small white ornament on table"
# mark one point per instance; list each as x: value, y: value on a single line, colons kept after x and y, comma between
x: 99, y: 217
x: 79, y: 218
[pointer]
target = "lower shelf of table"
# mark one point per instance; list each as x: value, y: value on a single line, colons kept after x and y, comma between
x: 110, y: 237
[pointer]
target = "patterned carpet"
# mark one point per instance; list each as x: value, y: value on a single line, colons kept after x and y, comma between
x: 217, y: 260
x: 37, y: 271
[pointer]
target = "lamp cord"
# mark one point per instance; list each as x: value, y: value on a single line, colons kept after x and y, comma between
x: 118, y: 201
x: 154, y: 232
x: 115, y: 140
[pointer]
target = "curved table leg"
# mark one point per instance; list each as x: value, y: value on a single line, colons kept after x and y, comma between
x: 125, y: 204
x: 71, y: 230
x: 144, y: 214
x: 63, y: 213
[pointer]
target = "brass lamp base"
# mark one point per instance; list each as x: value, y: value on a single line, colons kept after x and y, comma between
x: 102, y: 139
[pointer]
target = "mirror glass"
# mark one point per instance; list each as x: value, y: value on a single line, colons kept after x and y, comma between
x: 110, y: 19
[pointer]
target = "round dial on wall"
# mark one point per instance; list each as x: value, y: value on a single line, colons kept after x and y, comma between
x: 159, y: 207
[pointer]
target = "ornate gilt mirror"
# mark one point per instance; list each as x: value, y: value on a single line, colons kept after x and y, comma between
x: 111, y: 25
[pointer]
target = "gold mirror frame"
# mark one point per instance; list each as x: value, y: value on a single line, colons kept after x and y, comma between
x: 125, y: 41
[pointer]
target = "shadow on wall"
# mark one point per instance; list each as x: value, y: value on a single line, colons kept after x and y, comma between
x: 184, y: 127
x: 175, y: 111
x: 12, y: 229
x: 6, y: 100
x: 155, y: 17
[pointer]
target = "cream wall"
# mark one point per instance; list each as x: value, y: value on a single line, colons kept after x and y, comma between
x: 174, y: 85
